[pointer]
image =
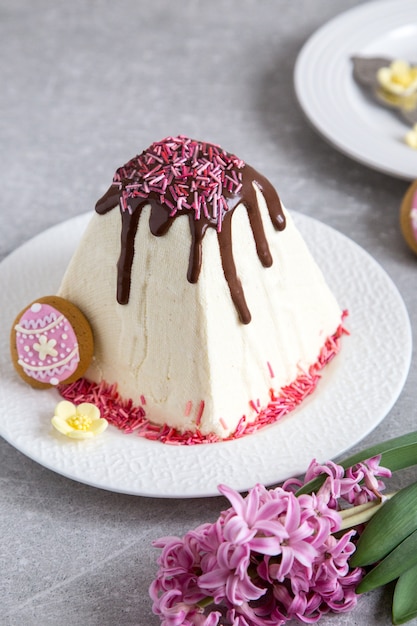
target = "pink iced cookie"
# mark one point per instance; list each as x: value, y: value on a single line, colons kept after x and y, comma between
x: 51, y: 342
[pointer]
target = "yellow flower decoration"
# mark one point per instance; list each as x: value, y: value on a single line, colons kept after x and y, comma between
x: 411, y: 137
x: 78, y: 422
x: 399, y: 78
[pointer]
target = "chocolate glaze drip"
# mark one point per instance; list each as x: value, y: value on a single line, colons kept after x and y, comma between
x: 162, y: 217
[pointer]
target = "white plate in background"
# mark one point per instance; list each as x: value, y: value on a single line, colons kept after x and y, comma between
x: 332, y: 101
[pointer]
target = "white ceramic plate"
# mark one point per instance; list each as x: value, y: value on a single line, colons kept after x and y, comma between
x: 356, y: 391
x: 335, y: 104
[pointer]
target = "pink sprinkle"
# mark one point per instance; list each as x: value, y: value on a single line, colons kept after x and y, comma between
x: 200, y: 413
x: 181, y: 167
x: 223, y: 423
x: 143, y: 399
x: 188, y: 408
x: 271, y: 371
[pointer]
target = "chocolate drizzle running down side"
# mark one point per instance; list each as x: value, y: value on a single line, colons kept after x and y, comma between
x: 177, y: 177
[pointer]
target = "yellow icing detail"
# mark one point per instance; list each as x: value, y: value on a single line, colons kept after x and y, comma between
x: 78, y: 422
x: 399, y: 78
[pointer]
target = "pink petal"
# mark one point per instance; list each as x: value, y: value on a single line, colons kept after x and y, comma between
x: 252, y: 505
x: 234, y: 498
x: 213, y: 579
x: 275, y: 529
x: 266, y: 545
x: 236, y: 530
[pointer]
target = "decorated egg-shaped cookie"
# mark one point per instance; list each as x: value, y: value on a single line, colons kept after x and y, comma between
x: 51, y: 342
x: 408, y: 217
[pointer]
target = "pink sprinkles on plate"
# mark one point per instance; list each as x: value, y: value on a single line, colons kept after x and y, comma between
x: 185, y: 175
x: 132, y: 419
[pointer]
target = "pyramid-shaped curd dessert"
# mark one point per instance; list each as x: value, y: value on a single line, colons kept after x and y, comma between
x: 209, y: 315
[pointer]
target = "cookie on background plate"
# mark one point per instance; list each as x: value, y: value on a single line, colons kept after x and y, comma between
x: 408, y: 217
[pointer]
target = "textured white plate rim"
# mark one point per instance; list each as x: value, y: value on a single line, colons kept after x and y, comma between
x: 360, y: 385
x: 336, y: 106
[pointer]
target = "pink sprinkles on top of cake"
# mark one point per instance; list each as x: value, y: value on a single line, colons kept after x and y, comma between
x: 185, y: 175
x: 132, y: 419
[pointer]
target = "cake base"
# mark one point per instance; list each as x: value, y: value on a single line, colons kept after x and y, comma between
x: 132, y: 419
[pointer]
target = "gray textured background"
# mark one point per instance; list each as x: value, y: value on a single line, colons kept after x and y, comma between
x: 85, y: 85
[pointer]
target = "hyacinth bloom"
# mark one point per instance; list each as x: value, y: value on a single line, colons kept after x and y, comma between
x: 78, y: 422
x: 269, y: 558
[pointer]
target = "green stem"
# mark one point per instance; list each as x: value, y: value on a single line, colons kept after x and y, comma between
x: 205, y: 602
x: 361, y: 513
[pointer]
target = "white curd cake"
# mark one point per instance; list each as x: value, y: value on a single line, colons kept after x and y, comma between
x: 209, y: 315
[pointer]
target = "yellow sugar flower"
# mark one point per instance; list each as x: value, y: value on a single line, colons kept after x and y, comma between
x: 399, y: 78
x: 411, y: 137
x: 78, y: 422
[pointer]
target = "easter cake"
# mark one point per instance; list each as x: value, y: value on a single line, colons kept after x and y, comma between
x: 209, y: 315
